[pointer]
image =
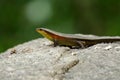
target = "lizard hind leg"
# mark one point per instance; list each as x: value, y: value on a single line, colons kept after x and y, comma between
x: 81, y: 44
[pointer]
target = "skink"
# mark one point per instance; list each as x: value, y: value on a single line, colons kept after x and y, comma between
x: 73, y: 41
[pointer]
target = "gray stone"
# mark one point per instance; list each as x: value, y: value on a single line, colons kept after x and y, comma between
x: 39, y: 60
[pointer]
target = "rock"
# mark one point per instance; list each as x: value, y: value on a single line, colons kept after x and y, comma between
x: 39, y: 60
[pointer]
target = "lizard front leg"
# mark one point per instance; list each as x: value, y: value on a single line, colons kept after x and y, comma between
x: 55, y: 43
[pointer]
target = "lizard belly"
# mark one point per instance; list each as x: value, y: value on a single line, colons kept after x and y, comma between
x: 69, y: 43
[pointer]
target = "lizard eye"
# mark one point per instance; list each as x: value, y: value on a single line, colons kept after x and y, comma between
x: 38, y: 29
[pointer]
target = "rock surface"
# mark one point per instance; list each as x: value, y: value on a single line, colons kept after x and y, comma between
x: 39, y: 60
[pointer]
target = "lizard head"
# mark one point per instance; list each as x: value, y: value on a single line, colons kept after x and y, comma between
x: 44, y: 32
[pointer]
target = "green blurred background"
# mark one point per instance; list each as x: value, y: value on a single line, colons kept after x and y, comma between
x: 20, y: 18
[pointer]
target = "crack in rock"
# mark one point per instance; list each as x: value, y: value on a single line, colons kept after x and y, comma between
x: 59, y: 69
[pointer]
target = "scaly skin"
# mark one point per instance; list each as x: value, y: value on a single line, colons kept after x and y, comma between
x: 71, y: 40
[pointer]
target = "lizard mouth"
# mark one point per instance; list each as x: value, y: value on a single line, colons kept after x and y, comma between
x: 41, y: 31
x: 44, y: 33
